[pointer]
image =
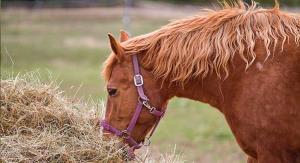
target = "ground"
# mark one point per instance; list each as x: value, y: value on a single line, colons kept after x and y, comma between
x: 70, y: 45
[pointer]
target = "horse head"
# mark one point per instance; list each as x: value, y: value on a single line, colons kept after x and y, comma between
x: 136, y: 102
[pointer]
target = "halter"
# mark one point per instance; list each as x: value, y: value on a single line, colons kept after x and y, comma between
x: 142, y: 101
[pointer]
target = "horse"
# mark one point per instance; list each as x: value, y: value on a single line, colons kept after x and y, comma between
x: 241, y: 59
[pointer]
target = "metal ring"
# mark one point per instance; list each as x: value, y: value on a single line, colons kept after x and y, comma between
x: 140, y: 100
x: 125, y: 134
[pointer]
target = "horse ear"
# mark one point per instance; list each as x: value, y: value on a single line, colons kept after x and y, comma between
x: 123, y: 36
x: 116, y: 47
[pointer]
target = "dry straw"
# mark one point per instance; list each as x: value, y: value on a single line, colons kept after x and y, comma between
x: 39, y: 124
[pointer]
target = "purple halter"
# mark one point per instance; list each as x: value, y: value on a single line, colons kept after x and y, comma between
x: 142, y: 101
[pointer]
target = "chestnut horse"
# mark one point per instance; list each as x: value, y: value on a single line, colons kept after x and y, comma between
x: 242, y: 60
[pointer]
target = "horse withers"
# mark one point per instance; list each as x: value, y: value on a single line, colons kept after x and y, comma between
x: 242, y: 60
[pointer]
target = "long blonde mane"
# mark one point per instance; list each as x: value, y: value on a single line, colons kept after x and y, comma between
x: 196, y: 46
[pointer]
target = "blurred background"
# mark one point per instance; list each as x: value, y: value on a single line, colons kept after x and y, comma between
x: 67, y: 40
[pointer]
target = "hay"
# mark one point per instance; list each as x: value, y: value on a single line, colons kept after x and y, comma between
x: 39, y: 124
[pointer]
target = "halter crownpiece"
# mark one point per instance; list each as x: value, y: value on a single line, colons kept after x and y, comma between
x: 142, y: 101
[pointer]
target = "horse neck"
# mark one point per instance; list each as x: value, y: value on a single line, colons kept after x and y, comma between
x: 207, y: 90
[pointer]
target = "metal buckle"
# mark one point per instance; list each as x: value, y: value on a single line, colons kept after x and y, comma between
x: 138, y: 80
x: 148, y: 106
x: 125, y: 134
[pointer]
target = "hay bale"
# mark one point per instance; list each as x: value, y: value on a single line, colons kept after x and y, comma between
x: 39, y: 124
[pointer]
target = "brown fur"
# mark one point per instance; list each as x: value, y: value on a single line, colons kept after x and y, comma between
x: 188, y: 57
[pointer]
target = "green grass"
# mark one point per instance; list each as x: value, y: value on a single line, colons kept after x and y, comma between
x: 73, y: 48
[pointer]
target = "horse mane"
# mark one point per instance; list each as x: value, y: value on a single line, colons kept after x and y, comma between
x: 197, y: 46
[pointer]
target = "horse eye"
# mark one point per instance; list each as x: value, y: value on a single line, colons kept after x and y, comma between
x: 112, y: 91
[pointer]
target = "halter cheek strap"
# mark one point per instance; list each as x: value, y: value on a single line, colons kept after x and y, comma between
x: 142, y: 101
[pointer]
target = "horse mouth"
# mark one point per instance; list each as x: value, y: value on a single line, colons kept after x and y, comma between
x: 120, y: 144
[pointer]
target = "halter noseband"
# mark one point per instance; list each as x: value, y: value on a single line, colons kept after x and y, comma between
x: 142, y: 101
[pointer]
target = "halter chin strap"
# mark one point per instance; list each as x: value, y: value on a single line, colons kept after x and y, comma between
x: 142, y: 101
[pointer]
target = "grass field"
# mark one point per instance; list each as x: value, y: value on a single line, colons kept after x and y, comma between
x: 70, y: 46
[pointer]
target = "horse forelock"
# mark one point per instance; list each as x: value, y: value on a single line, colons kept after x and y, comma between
x: 197, y: 46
